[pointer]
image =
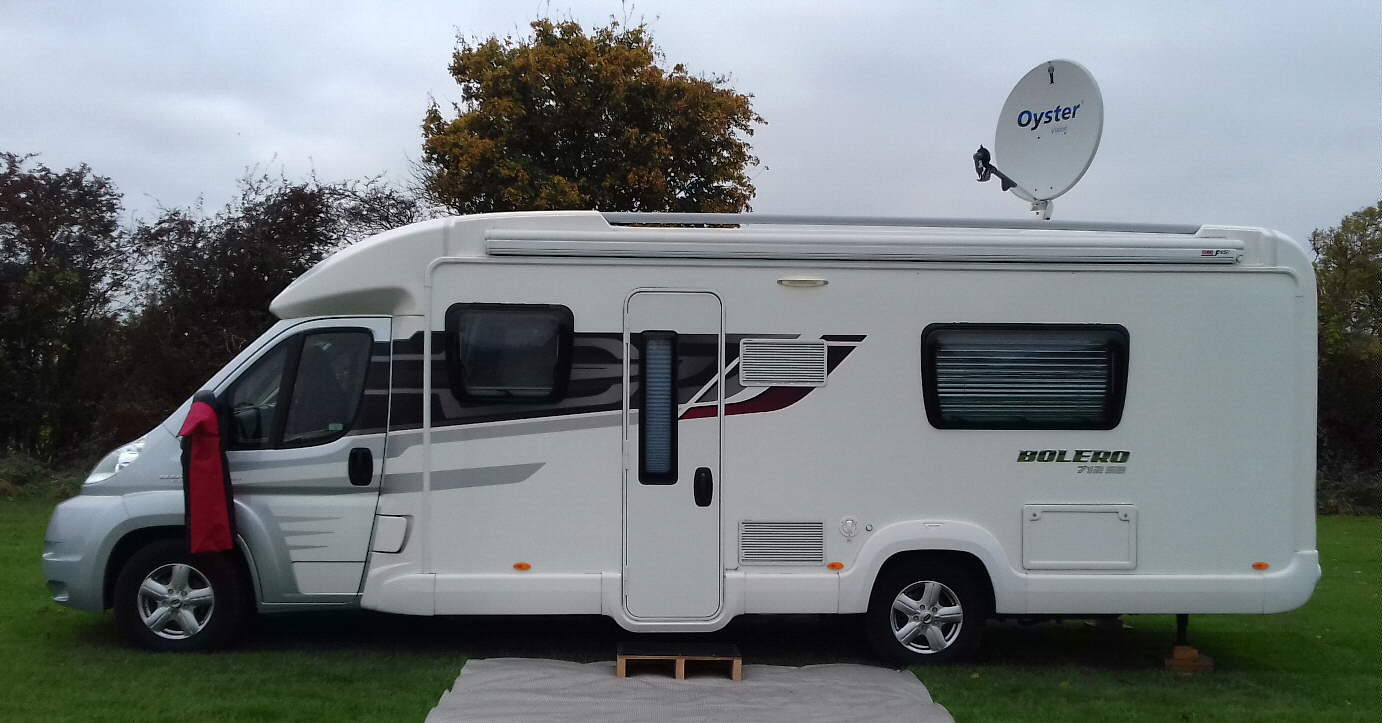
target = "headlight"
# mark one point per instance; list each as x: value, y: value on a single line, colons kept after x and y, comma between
x: 117, y: 460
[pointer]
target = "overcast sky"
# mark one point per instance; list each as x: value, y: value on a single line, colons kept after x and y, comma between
x: 1255, y: 113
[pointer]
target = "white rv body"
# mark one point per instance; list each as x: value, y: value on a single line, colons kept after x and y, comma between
x: 810, y: 423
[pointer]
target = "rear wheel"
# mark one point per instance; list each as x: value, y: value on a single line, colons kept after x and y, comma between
x: 926, y: 613
x: 169, y: 600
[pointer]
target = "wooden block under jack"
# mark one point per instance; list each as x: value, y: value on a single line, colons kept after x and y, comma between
x: 1185, y: 659
x: 725, y: 657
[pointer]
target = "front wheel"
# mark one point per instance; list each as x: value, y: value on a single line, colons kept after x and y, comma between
x: 169, y: 600
x: 926, y: 614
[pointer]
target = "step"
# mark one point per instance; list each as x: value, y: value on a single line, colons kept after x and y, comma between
x: 676, y: 657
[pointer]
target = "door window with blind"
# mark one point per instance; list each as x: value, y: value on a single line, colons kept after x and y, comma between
x: 1024, y: 376
x: 657, y: 408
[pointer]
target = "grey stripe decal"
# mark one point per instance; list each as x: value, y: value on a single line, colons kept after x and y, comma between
x: 337, y: 456
x: 271, y: 488
x: 459, y: 478
x: 400, y: 442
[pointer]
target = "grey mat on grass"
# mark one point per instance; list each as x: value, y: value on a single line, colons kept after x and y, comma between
x: 529, y: 689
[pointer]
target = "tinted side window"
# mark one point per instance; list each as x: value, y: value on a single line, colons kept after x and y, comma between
x: 322, y: 373
x: 1024, y: 376
x: 327, y: 385
x: 253, y: 401
x: 508, y: 352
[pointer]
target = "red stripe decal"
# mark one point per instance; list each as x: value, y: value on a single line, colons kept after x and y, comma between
x: 771, y: 400
x: 700, y: 412
x: 776, y: 398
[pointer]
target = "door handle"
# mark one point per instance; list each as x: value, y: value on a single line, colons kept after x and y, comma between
x: 361, y: 466
x: 703, y: 486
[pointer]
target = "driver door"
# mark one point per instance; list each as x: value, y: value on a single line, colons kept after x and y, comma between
x: 307, y: 429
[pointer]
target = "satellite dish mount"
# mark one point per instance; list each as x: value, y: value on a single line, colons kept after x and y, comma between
x: 1048, y: 133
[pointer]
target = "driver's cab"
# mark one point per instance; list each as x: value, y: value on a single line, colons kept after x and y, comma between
x: 305, y: 440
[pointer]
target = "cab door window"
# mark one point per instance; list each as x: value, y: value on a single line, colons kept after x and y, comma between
x: 321, y: 372
x: 326, y: 388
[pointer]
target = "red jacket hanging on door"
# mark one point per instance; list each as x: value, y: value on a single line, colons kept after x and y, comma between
x: 206, y: 480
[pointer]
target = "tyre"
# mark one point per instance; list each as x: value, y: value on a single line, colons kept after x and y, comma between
x: 926, y: 613
x: 169, y: 600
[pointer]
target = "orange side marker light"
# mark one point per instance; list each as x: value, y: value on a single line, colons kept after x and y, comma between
x: 837, y: 566
x: 1260, y: 566
x: 522, y: 566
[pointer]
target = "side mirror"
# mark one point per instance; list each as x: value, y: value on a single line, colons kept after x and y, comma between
x: 230, y: 424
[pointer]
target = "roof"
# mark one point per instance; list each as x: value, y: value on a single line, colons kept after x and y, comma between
x: 385, y: 274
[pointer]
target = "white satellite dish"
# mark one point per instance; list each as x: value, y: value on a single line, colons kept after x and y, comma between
x: 1047, y: 133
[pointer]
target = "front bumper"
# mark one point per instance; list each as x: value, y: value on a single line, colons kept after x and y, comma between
x: 76, y: 547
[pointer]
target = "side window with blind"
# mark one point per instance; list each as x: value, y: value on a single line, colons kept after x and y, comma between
x: 657, y: 408
x: 500, y: 353
x: 1024, y: 376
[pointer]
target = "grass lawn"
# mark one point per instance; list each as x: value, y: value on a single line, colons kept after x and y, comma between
x: 1322, y: 662
x: 1317, y: 663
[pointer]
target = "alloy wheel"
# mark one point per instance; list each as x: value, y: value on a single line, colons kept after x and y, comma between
x: 176, y: 601
x: 926, y: 617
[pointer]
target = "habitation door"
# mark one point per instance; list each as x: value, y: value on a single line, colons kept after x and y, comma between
x: 673, y: 361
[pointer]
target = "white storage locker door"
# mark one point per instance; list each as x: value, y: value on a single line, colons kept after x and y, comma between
x: 1079, y: 537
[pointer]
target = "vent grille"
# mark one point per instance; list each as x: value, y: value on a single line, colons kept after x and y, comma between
x: 782, y: 362
x: 781, y: 543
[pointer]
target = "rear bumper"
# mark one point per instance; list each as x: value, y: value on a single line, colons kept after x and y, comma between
x: 1243, y: 593
x: 76, y: 546
x: 1292, y: 586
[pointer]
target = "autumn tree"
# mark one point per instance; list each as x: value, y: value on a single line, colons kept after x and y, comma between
x: 1348, y: 269
x: 569, y: 120
x: 64, y: 262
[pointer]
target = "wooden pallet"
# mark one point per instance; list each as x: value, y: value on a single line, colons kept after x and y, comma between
x: 713, y: 656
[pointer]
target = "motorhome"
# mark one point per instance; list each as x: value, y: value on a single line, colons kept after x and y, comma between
x: 675, y: 419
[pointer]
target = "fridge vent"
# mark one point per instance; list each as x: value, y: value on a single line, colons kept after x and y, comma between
x: 781, y: 543
x: 782, y: 363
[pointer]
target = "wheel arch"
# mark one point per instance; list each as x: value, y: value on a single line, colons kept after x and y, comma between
x: 962, y: 543
x: 951, y: 558
x: 134, y: 540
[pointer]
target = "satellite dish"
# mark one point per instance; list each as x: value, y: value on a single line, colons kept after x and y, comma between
x: 1047, y: 133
